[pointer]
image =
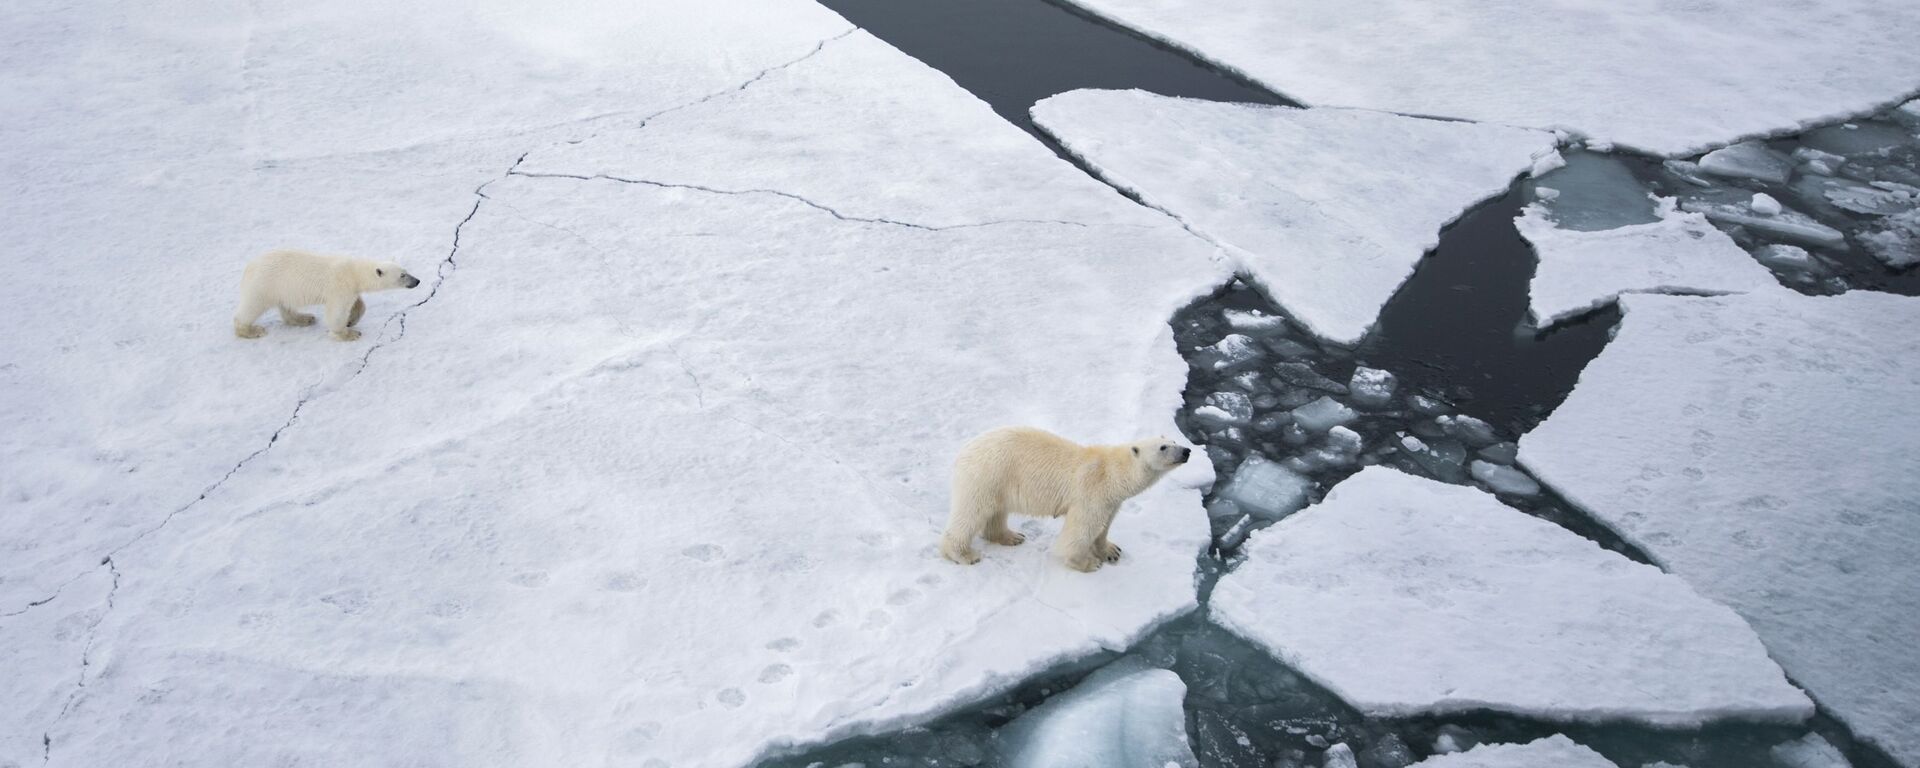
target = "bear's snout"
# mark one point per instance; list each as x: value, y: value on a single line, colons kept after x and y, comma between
x: 409, y: 281
x: 1184, y: 454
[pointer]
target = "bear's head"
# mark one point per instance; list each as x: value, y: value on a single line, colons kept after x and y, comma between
x: 1161, y: 454
x: 385, y: 275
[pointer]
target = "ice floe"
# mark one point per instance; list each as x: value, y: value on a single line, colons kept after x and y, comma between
x: 1681, y: 253
x: 1552, y: 752
x: 1328, y: 209
x: 1761, y: 447
x: 1666, y: 78
x: 1407, y: 596
x: 1122, y: 715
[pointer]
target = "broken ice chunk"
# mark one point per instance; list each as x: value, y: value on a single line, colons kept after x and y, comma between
x: 1371, y: 387
x: 1254, y: 321
x: 1862, y: 138
x: 1453, y: 738
x: 1809, y: 751
x: 1686, y: 171
x: 1289, y: 349
x: 1908, y: 114
x: 1293, y: 434
x: 1344, y: 440
x: 1340, y: 756
x: 1470, y: 430
x: 1426, y: 405
x: 1748, y: 160
x: 1228, y: 409
x: 1815, y: 161
x: 1269, y: 423
x: 1547, y: 163
x: 1231, y: 352
x: 1303, y: 375
x: 1500, y: 453
x: 1896, y: 242
x: 1787, y: 224
x: 1504, y: 479
x: 1124, y: 714
x: 1786, y: 258
x: 1323, y: 414
x: 1764, y: 204
x: 1442, y: 458
x: 1267, y: 490
x: 1555, y: 751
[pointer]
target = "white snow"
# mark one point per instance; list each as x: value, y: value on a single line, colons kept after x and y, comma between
x: 1406, y: 596
x: 1761, y: 447
x: 1554, y: 751
x: 1682, y: 252
x: 1121, y: 715
x: 1662, y: 77
x: 645, y: 479
x: 1328, y: 209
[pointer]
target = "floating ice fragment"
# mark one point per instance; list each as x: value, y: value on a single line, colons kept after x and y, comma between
x: 1323, y: 414
x: 1787, y: 223
x: 1124, y: 714
x: 1269, y: 423
x: 1387, y: 752
x: 1546, y: 164
x: 1809, y: 751
x: 1267, y: 490
x: 1787, y: 258
x: 1254, y: 321
x: 1232, y: 352
x: 1896, y: 241
x: 1748, y: 160
x: 1500, y: 453
x: 1454, y: 738
x: 1815, y: 161
x: 1552, y: 752
x: 1470, y: 430
x: 1504, y: 479
x: 1764, y: 204
x: 1443, y: 458
x: 1340, y: 756
x: 1859, y: 139
x: 1235, y: 408
x: 1686, y: 171
x: 1427, y: 406
x: 1289, y: 349
x: 1371, y: 387
x: 1344, y: 440
x: 1303, y: 375
x: 1545, y: 193
x: 1908, y: 114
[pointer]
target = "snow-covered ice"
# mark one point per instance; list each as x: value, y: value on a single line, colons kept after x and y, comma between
x: 1323, y: 414
x: 1895, y: 240
x: 1809, y: 751
x: 1407, y: 596
x: 1500, y: 478
x: 635, y: 483
x: 1122, y: 715
x: 1554, y: 751
x: 1372, y: 387
x: 1328, y: 209
x: 1667, y: 78
x: 1682, y: 252
x: 1267, y: 490
x: 1748, y: 160
x: 1779, y: 221
x: 1767, y: 458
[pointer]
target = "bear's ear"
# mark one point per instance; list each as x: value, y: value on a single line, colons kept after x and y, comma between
x: 1136, y: 450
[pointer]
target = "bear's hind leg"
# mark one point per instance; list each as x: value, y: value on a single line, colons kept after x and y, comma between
x: 290, y: 316
x: 249, y: 311
x: 998, y: 532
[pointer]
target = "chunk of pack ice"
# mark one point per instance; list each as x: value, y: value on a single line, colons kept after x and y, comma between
x: 1339, y: 756
x: 1126, y: 713
x: 1895, y: 241
x: 1503, y: 479
x: 1857, y: 138
x: 1825, y: 195
x: 1581, y: 271
x: 1454, y: 738
x: 1787, y: 224
x: 1231, y: 352
x: 1908, y: 114
x: 1764, y: 204
x: 1546, y: 163
x: 1226, y: 409
x: 1303, y: 375
x: 1685, y: 436
x: 1409, y: 597
x: 1427, y: 406
x: 1748, y: 160
x: 1595, y: 192
x: 1809, y: 751
x: 1371, y: 387
x: 1442, y: 457
x: 1267, y: 490
x: 1500, y: 453
x: 1788, y: 258
x: 1554, y: 751
x: 1474, y: 432
x: 1323, y: 414
x: 1388, y: 751
x: 1254, y: 321
x: 1817, y: 162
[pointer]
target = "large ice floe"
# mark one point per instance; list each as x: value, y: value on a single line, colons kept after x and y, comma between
x: 1330, y: 210
x: 1408, y: 596
x: 1726, y: 70
x: 649, y: 472
x: 1761, y: 447
x: 1680, y: 253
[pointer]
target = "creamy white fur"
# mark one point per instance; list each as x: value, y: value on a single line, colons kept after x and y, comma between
x: 1021, y: 470
x: 288, y: 280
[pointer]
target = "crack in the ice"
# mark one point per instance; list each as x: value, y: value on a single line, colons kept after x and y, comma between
x: 824, y: 208
x: 86, y: 661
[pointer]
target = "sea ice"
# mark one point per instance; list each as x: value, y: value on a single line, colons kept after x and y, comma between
x: 1555, y: 751
x: 1748, y: 160
x: 1323, y: 414
x: 1406, y: 596
x: 1303, y: 375
x: 1690, y: 435
x: 1764, y: 204
x: 1233, y: 351
x: 633, y: 487
x: 1809, y: 751
x: 1682, y: 252
x: 1339, y: 756
x: 1226, y: 409
x: 1267, y: 490
x: 1895, y: 241
x: 1503, y: 479
x: 1441, y: 457
x: 1371, y: 387
x: 1786, y: 223
x: 1124, y: 714
x: 1329, y: 210
x: 1725, y: 71
x: 1594, y: 192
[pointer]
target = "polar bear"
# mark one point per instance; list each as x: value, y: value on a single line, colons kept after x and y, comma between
x: 289, y: 280
x: 1034, y: 472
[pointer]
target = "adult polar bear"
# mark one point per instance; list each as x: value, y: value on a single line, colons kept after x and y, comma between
x: 293, y: 279
x: 1034, y: 472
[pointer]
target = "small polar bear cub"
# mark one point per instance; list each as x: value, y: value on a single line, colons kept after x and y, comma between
x: 288, y: 280
x: 1021, y: 470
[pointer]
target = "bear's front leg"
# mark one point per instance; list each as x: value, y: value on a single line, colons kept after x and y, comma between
x: 1107, y: 550
x: 339, y: 313
x: 1082, y: 536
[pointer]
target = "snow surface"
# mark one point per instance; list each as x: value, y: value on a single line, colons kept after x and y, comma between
x: 1121, y: 715
x: 1680, y: 253
x: 1554, y: 751
x: 1767, y: 458
x: 1407, y: 596
x: 636, y: 478
x: 1329, y: 210
x: 1661, y: 77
